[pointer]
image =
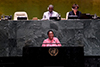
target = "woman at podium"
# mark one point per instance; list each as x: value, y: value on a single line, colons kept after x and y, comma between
x: 51, y: 41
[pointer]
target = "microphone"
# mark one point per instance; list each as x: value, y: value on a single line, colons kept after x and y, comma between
x: 54, y: 40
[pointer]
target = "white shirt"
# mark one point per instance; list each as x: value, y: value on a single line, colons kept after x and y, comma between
x: 47, y: 15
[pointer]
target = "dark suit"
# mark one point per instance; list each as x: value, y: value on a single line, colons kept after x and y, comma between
x: 78, y: 13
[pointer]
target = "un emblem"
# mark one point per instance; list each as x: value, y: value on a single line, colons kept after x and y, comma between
x: 53, y: 51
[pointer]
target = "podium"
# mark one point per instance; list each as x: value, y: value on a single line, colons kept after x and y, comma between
x: 54, y: 56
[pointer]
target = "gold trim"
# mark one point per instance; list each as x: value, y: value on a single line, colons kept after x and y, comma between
x: 53, y: 51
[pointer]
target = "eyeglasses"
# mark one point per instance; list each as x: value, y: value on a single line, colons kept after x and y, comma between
x: 75, y: 8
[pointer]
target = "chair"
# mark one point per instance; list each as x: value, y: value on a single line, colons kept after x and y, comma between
x: 20, y: 14
x: 67, y: 15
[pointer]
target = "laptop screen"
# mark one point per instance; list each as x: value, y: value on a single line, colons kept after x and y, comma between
x: 21, y: 18
x: 72, y: 17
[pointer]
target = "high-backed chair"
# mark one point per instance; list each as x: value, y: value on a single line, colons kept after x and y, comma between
x: 20, y: 14
x: 67, y: 15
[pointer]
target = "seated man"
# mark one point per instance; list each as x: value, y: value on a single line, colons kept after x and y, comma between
x: 75, y: 11
x: 50, y: 13
x: 51, y: 41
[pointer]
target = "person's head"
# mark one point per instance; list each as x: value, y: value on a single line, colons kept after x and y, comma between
x: 75, y: 7
x: 50, y: 8
x: 50, y: 34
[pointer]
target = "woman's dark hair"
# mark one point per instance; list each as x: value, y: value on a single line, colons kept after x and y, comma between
x: 75, y: 5
x: 49, y: 31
